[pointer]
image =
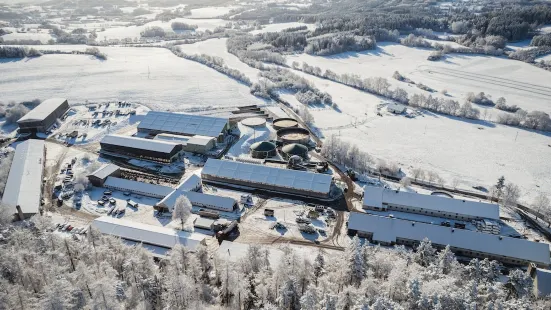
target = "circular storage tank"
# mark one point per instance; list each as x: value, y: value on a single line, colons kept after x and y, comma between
x: 254, y: 122
x: 263, y: 149
x: 295, y: 149
x: 294, y: 135
x: 281, y: 123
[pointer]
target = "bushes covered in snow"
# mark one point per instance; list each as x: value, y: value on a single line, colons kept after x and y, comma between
x: 153, y: 32
x: 182, y: 26
x: 415, y: 41
x: 339, y: 43
x: 537, y: 120
x: 18, y: 52
x: 480, y: 98
x: 541, y: 40
x: 15, y: 110
x: 6, y: 158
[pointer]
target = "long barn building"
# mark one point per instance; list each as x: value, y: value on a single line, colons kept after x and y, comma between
x: 273, y: 179
x: 144, y: 149
x: 390, y: 231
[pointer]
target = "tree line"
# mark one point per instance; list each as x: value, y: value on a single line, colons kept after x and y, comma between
x: 41, y: 269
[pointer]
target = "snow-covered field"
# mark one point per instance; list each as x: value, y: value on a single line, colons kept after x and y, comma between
x: 42, y: 36
x: 474, y: 151
x: 217, y: 47
x: 151, y: 76
x: 520, y: 83
x: 282, y: 26
x: 211, y: 12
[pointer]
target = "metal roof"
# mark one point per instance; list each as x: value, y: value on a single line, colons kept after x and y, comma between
x: 543, y: 283
x: 148, y: 234
x: 197, y: 199
x: 183, y: 123
x: 23, y: 187
x: 43, y: 110
x: 140, y: 143
x: 105, y: 171
x: 184, y: 140
x: 388, y: 229
x: 134, y: 186
x: 375, y: 196
x: 203, y: 222
x: 232, y: 170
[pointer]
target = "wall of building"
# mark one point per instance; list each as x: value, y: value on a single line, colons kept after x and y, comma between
x: 143, y: 154
x: 428, y: 212
x: 46, y: 123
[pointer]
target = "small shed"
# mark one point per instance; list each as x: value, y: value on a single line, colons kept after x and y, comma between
x: 396, y: 108
x: 203, y: 223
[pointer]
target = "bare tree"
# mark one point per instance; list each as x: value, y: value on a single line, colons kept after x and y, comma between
x: 405, y: 182
x: 418, y: 174
x: 182, y: 210
x: 541, y: 204
x: 510, y: 196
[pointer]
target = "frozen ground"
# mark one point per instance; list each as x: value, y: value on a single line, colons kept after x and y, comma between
x: 520, y: 83
x: 282, y: 26
x: 217, y: 47
x: 151, y: 76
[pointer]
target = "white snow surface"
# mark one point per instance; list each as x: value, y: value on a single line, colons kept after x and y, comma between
x: 282, y: 26
x: 152, y: 76
x: 134, y: 31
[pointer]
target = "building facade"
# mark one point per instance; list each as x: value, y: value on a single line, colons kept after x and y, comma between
x: 44, y: 116
x: 139, y: 148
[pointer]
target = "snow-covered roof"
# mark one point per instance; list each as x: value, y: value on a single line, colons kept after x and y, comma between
x: 183, y: 123
x: 203, y: 222
x: 105, y: 171
x: 543, y: 283
x: 23, y: 186
x: 200, y: 140
x: 233, y: 170
x: 42, y: 110
x: 184, y: 140
x: 148, y: 234
x: 192, y: 182
x: 198, y: 199
x: 134, y: 186
x: 386, y: 229
x: 396, y: 107
x: 140, y: 143
x: 375, y: 197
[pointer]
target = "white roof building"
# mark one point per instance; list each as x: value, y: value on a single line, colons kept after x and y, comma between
x: 271, y: 178
x: 141, y: 188
x: 24, y: 183
x: 383, y: 198
x: 185, y: 124
x: 148, y: 235
x: 105, y: 171
x: 208, y: 201
x: 43, y: 110
x: 139, y: 143
x: 464, y: 242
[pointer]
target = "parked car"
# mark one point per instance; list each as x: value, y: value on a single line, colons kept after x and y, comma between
x: 302, y: 220
x: 101, y: 202
x: 446, y: 223
x: 105, y: 198
x: 278, y: 225
x: 307, y: 228
x: 126, y: 193
x: 112, y: 201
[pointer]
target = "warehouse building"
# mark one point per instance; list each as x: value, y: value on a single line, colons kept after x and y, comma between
x: 140, y: 188
x: 158, y: 239
x: 98, y: 177
x: 23, y: 190
x: 542, y: 281
x: 41, y: 118
x: 383, y: 199
x: 293, y: 182
x: 202, y: 200
x: 390, y: 231
x: 193, y: 144
x: 156, y: 122
x: 144, y: 149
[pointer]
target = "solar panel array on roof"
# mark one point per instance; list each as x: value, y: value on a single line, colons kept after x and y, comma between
x: 186, y: 124
x: 139, y: 143
x: 283, y: 178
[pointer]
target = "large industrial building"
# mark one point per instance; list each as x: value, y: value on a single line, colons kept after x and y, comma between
x: 383, y: 199
x: 268, y: 178
x: 41, y: 118
x: 23, y: 190
x: 184, y: 124
x: 140, y: 188
x: 389, y: 231
x: 194, y: 144
x: 157, y: 239
x: 144, y: 149
x: 98, y: 177
x: 189, y: 188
